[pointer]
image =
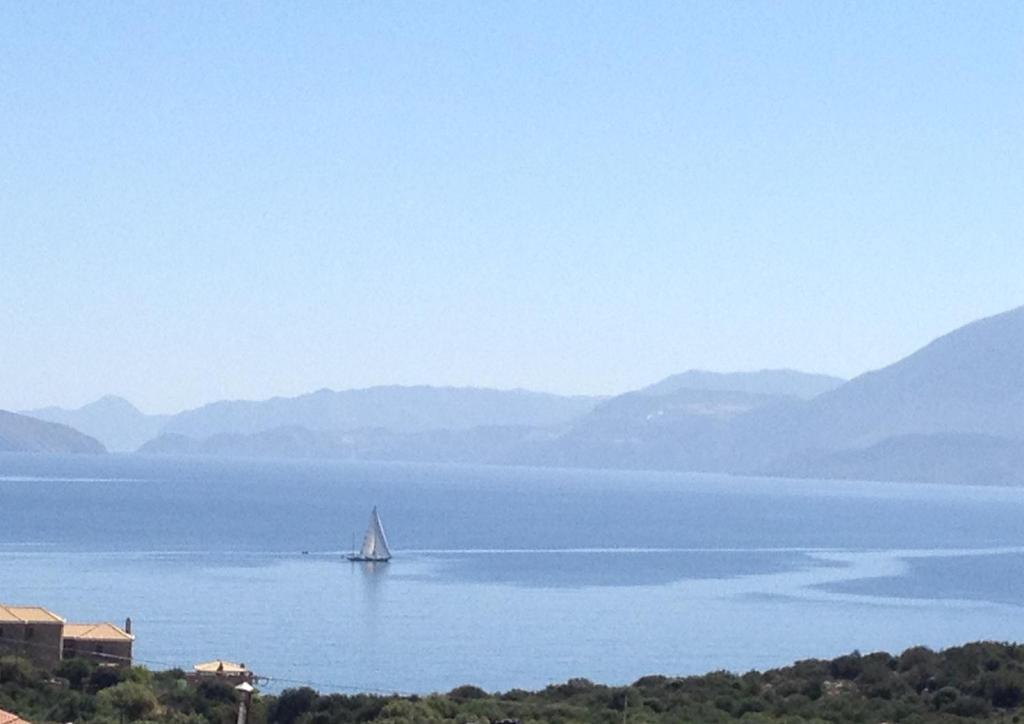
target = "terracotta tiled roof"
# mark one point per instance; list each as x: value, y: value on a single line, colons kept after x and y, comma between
x: 219, y: 666
x: 27, y: 614
x: 96, y: 632
x: 7, y: 717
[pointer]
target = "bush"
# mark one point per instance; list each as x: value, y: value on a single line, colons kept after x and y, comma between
x: 467, y: 692
x: 1003, y: 689
x: 71, y: 707
x: 847, y: 667
x: 103, y: 677
x: 19, y: 672
x: 76, y: 671
x: 945, y: 697
x: 970, y: 706
x: 292, y: 704
x: 131, y: 700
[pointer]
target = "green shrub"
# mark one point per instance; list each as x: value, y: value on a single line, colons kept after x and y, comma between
x: 129, y: 699
x: 292, y: 704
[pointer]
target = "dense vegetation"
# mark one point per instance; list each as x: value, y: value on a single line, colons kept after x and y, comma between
x: 976, y: 682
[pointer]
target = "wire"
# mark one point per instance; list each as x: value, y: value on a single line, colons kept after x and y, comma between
x: 340, y: 687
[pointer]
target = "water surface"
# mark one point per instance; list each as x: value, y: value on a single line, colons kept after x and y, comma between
x: 503, y: 577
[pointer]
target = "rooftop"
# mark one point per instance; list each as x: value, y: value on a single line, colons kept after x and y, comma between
x: 7, y: 717
x: 27, y: 614
x: 219, y: 666
x: 96, y: 632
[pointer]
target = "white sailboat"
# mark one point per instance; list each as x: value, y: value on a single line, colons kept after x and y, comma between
x: 375, y: 543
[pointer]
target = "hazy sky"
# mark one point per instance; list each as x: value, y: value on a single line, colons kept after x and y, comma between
x: 209, y: 200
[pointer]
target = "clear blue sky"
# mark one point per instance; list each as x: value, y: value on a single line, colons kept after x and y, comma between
x: 209, y: 200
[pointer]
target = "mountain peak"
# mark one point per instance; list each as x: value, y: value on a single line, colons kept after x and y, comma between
x: 110, y: 403
x: 112, y: 420
x: 787, y: 382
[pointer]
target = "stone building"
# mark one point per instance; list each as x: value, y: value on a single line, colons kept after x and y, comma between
x: 103, y: 643
x: 32, y: 632
x: 46, y: 639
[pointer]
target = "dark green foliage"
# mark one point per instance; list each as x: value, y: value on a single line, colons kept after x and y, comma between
x: 292, y: 704
x: 102, y: 677
x: 467, y: 692
x: 76, y: 671
x: 128, y: 700
x: 977, y: 682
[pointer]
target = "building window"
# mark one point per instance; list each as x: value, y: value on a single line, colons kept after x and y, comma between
x: 29, y: 632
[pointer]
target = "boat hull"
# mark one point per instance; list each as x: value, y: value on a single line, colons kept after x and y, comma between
x: 367, y: 559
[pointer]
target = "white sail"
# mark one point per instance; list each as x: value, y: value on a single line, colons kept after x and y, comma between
x: 375, y: 543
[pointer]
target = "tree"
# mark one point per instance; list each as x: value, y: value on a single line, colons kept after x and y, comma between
x: 131, y: 700
x: 76, y: 671
x: 292, y: 704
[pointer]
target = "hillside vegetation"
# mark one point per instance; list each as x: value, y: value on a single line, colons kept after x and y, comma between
x: 976, y: 682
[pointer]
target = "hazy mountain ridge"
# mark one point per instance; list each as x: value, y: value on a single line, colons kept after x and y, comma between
x: 781, y: 382
x: 396, y: 408
x: 604, y: 437
x: 20, y: 433
x: 952, y: 411
x: 684, y: 430
x: 113, y: 420
x: 401, y: 411
x: 474, y: 445
x: 970, y: 380
x: 967, y: 382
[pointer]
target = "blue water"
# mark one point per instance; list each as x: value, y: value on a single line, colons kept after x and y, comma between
x: 503, y: 577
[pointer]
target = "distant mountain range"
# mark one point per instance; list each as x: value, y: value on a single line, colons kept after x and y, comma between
x: 478, y: 426
x: 391, y: 411
x: 951, y: 412
x: 113, y: 420
x: 19, y: 433
x: 398, y: 409
x: 965, y: 389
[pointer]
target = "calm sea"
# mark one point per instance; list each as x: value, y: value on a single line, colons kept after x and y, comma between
x: 502, y: 577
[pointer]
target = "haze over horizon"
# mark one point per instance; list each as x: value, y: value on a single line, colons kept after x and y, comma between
x: 236, y: 202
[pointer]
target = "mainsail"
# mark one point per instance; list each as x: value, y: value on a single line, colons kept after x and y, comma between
x: 375, y: 543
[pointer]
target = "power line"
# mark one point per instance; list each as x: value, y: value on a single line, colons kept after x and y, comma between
x: 341, y: 687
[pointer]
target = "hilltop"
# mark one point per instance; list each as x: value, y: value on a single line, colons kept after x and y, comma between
x: 885, y: 425
x: 19, y: 433
x: 787, y: 383
x: 113, y: 420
